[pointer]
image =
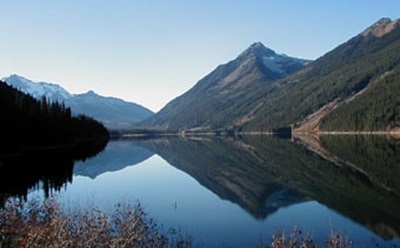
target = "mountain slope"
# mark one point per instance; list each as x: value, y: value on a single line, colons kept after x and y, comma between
x: 248, y: 95
x: 114, y: 113
x: 376, y: 109
x: 39, y: 89
x: 217, y: 98
x: 336, y: 77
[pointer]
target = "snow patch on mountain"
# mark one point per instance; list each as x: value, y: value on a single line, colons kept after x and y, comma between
x: 275, y: 63
x: 280, y: 64
x: 53, y: 92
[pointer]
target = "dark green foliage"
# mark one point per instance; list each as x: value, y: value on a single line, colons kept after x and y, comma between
x: 28, y: 123
x: 339, y: 74
x: 377, y: 109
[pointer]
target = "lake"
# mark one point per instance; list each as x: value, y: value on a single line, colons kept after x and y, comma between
x: 236, y: 191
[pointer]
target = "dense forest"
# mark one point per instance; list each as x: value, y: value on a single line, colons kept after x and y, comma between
x: 28, y: 123
x: 377, y: 109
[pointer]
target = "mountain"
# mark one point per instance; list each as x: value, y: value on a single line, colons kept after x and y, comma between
x: 114, y: 113
x: 340, y: 77
x: 354, y: 83
x: 39, y: 89
x: 216, y: 99
x: 376, y: 106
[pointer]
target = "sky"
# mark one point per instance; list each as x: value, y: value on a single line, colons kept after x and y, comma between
x: 151, y: 51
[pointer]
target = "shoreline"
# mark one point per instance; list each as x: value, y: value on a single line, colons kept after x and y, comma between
x: 265, y: 133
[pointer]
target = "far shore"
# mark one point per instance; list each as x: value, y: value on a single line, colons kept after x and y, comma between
x: 152, y: 134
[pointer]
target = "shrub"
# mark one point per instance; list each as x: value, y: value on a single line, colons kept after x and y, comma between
x: 34, y: 224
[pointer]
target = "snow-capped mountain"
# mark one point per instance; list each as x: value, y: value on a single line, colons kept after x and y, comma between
x: 113, y: 112
x: 53, y: 92
x: 221, y: 99
x: 279, y: 64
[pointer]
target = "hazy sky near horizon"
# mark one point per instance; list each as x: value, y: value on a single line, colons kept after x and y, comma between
x: 151, y: 51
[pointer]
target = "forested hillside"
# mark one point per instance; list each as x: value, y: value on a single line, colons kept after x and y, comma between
x: 337, y: 76
x: 359, y: 78
x: 377, y: 109
x: 28, y: 123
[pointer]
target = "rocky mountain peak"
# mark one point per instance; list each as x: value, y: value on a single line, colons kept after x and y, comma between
x: 381, y: 27
x: 38, y: 89
x: 273, y: 64
x: 257, y: 49
x: 257, y: 46
x: 91, y: 93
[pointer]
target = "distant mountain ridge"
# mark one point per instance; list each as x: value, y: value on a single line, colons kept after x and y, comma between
x: 38, y: 89
x: 113, y: 112
x: 351, y: 88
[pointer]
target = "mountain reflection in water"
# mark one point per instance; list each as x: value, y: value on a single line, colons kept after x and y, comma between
x: 116, y: 156
x: 356, y: 176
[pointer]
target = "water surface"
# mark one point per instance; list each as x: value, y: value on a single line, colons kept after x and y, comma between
x: 232, y: 192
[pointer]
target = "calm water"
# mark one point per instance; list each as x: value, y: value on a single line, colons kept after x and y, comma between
x: 232, y: 192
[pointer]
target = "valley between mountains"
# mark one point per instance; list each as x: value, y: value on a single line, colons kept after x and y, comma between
x: 352, y: 88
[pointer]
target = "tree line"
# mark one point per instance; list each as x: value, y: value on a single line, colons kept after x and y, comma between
x: 27, y: 122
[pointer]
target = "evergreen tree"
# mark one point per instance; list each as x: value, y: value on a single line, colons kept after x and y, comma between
x: 27, y: 122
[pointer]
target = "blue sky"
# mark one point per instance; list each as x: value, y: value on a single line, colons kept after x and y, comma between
x: 151, y: 51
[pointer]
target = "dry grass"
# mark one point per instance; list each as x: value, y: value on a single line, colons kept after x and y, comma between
x: 297, y: 239
x: 38, y: 223
x: 34, y: 224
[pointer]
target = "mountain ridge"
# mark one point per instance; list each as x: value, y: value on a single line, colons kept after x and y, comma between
x: 221, y: 88
x: 37, y: 89
x: 339, y: 74
x: 113, y: 112
x: 381, y: 27
x: 245, y: 95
